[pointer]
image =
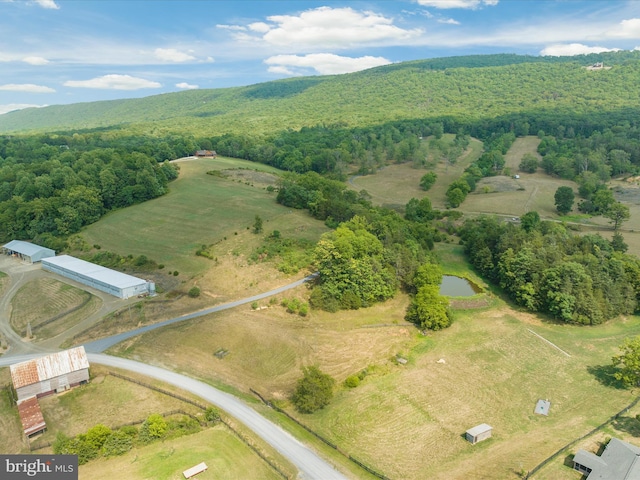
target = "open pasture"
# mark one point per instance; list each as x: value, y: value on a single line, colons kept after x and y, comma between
x: 199, y: 209
x: 408, y: 421
x: 396, y: 184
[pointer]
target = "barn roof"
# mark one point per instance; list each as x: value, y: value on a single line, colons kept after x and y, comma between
x: 50, y: 366
x: 95, y: 272
x: 26, y: 248
x: 31, y: 416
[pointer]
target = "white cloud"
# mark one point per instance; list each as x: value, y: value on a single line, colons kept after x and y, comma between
x: 456, y: 3
x: 626, y: 29
x: 322, y: 63
x: 172, y: 55
x: 327, y: 27
x: 35, y: 60
x: 26, y: 87
x: 238, y: 28
x: 449, y: 21
x: 280, y: 70
x: 568, y: 50
x: 186, y: 86
x: 50, y: 4
x: 259, y: 27
x: 10, y: 107
x: 114, y: 82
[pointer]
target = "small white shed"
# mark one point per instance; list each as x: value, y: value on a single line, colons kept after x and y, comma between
x: 479, y: 433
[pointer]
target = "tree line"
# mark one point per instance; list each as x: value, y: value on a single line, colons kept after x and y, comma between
x: 53, y: 190
x: 545, y: 268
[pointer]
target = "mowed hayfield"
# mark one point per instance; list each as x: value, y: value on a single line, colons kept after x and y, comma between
x: 199, y: 209
x: 115, y: 402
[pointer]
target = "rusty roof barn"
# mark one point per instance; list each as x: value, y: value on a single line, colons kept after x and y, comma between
x: 53, y: 373
x: 31, y: 416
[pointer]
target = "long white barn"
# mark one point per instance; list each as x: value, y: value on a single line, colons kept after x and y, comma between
x: 101, y: 278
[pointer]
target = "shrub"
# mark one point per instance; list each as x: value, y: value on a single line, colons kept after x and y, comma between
x: 175, y: 273
x: 194, y: 292
x: 314, y: 390
x: 254, y: 305
x: 118, y: 443
x: 152, y: 428
x: 212, y: 415
x: 352, y: 381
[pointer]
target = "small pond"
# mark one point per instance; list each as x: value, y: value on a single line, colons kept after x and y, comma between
x: 453, y: 286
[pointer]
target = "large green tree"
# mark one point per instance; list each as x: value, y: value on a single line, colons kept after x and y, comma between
x: 564, y: 197
x: 627, y: 362
x: 429, y: 309
x: 313, y: 391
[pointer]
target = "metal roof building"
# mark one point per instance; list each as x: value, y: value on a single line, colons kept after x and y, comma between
x: 51, y: 373
x: 27, y: 250
x: 101, y: 278
x: 31, y: 416
x: 478, y: 433
x: 620, y: 460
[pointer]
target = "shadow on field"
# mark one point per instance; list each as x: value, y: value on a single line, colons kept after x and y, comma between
x: 631, y: 425
x: 604, y: 374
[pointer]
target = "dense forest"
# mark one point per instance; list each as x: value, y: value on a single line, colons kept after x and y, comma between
x: 50, y: 189
x: 467, y: 88
x: 545, y: 268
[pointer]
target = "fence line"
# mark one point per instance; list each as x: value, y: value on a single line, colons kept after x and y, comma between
x: 537, y: 468
x: 242, y: 438
x: 320, y: 437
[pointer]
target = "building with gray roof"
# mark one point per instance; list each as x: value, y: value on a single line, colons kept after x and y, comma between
x: 101, y: 278
x: 619, y: 461
x: 27, y: 251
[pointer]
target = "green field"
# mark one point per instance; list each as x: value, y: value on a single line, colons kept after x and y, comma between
x: 199, y: 209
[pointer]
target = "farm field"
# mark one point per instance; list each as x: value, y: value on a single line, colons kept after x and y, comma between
x: 225, y: 455
x: 115, y: 402
x: 495, y: 371
x: 50, y: 307
x: 199, y: 209
x: 396, y: 184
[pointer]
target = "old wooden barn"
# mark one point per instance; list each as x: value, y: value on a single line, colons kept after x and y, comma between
x: 56, y: 372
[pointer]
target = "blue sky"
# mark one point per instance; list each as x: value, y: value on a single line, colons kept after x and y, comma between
x: 69, y: 51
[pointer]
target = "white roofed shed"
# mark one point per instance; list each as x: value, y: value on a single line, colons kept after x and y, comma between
x: 101, y: 278
x: 27, y: 250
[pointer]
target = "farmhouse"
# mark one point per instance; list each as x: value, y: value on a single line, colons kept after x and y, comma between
x: 104, y: 279
x: 206, y: 153
x: 27, y: 251
x: 618, y: 461
x: 53, y: 373
x: 478, y: 433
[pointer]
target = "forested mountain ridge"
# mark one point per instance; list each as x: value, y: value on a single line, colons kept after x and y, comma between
x: 468, y: 88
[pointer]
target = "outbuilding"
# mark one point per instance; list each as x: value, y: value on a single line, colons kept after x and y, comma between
x: 31, y: 416
x: 478, y: 433
x: 27, y: 251
x: 101, y: 278
x: 56, y: 372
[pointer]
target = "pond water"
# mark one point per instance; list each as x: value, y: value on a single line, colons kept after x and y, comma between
x: 453, y: 286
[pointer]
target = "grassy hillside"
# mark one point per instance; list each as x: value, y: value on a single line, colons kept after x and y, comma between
x: 469, y: 87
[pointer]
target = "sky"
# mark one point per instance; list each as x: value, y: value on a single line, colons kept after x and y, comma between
x: 69, y: 51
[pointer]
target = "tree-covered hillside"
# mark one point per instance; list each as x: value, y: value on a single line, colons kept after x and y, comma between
x: 467, y: 88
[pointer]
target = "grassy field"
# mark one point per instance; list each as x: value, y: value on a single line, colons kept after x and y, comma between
x: 114, y: 402
x: 50, y: 307
x: 199, y: 209
x: 395, y: 185
x: 495, y: 371
x: 225, y: 455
